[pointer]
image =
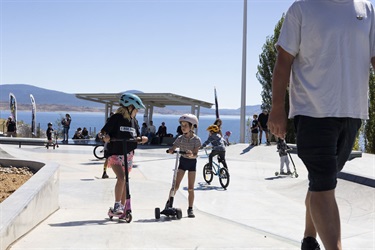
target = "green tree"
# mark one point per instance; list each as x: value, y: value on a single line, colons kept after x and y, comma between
x: 267, y: 60
x: 369, y: 125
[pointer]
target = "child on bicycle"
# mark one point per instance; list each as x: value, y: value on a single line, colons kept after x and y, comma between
x: 190, y: 143
x: 122, y: 125
x: 218, y: 145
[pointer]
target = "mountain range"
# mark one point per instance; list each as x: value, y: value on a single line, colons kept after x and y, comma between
x: 52, y: 100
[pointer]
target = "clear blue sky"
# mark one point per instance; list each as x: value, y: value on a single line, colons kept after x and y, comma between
x: 184, y: 47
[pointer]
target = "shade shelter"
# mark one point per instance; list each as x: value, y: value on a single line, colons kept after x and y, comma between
x: 150, y: 100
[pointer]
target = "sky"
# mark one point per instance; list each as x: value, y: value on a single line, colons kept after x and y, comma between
x: 185, y: 47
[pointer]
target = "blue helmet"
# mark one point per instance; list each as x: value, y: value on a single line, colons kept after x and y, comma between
x: 128, y: 99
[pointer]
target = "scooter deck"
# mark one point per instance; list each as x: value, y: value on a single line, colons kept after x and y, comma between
x: 292, y: 174
x: 126, y: 216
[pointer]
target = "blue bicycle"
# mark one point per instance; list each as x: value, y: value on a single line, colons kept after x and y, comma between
x: 217, y: 169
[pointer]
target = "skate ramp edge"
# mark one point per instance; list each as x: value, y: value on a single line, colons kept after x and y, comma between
x: 29, y: 205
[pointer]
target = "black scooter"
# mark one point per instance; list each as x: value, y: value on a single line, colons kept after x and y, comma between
x: 169, y: 210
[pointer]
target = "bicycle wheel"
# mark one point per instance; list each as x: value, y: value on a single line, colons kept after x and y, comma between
x: 99, y: 152
x: 207, y: 173
x: 224, y: 178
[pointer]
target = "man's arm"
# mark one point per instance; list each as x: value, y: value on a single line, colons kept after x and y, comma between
x: 277, y: 119
x: 373, y: 62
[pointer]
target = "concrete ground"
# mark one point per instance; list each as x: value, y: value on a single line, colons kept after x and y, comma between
x: 257, y: 211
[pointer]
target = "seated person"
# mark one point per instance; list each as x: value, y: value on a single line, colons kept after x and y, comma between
x: 85, y: 133
x: 78, y: 134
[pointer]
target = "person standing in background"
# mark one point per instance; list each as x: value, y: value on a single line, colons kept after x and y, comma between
x: 11, y: 127
x: 162, y: 132
x: 151, y: 132
x: 66, y: 126
x: 263, y: 127
x: 218, y: 122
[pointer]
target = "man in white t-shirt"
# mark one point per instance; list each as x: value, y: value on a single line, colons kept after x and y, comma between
x: 325, y: 50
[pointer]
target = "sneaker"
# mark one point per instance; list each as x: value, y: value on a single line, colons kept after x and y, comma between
x: 105, y: 176
x: 283, y: 173
x: 310, y: 243
x: 289, y: 173
x: 190, y: 213
x: 118, y: 209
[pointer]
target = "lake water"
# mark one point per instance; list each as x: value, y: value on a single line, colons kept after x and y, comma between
x: 94, y: 121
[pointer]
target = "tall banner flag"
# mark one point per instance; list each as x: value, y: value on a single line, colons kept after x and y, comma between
x: 33, y: 116
x: 13, y: 107
x: 216, y: 105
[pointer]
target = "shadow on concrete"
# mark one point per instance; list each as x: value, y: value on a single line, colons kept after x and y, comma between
x: 246, y: 150
x: 203, y: 186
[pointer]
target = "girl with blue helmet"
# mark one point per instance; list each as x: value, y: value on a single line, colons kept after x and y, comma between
x: 122, y: 125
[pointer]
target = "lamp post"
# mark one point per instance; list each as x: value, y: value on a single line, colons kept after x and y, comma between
x: 243, y: 78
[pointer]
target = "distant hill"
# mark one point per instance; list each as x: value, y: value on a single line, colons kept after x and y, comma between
x: 42, y: 96
x: 51, y: 100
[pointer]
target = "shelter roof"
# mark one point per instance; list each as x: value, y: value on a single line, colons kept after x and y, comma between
x: 152, y: 99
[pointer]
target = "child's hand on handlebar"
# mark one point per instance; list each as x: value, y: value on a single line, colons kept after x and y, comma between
x: 106, y: 138
x: 142, y: 139
x: 188, y: 153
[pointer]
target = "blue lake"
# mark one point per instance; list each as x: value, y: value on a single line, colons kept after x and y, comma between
x: 94, y: 121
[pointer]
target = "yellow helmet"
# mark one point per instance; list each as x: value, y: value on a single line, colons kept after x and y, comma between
x: 213, y: 128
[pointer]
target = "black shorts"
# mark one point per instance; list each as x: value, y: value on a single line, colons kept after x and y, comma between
x: 187, y: 164
x: 263, y: 128
x: 324, y: 145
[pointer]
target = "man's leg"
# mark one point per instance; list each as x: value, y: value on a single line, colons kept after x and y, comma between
x: 268, y: 136
x: 310, y: 230
x: 325, y: 215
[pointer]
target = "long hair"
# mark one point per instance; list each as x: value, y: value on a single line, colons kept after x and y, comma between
x: 124, y: 111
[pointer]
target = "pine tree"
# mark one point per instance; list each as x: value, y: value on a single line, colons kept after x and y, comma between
x: 267, y: 60
x: 369, y: 126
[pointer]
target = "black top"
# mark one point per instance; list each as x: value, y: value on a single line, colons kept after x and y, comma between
x: 119, y: 128
x: 263, y: 119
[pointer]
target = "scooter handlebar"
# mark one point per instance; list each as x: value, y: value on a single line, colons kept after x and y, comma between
x: 176, y: 151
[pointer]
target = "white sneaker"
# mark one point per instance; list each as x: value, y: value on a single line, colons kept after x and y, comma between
x: 118, y: 209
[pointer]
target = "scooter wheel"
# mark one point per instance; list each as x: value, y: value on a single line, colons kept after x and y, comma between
x: 178, y: 213
x: 128, y: 218
x: 296, y: 175
x: 276, y: 173
x: 157, y: 213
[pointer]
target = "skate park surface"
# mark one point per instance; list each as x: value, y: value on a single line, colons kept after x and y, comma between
x: 257, y: 211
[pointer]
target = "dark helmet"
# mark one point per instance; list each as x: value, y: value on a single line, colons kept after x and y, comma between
x: 49, y: 124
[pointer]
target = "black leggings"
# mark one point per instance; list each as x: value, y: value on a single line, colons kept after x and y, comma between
x: 221, y: 157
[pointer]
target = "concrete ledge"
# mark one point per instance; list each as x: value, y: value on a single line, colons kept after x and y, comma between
x: 24, y: 141
x: 357, y: 179
x: 29, y: 205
